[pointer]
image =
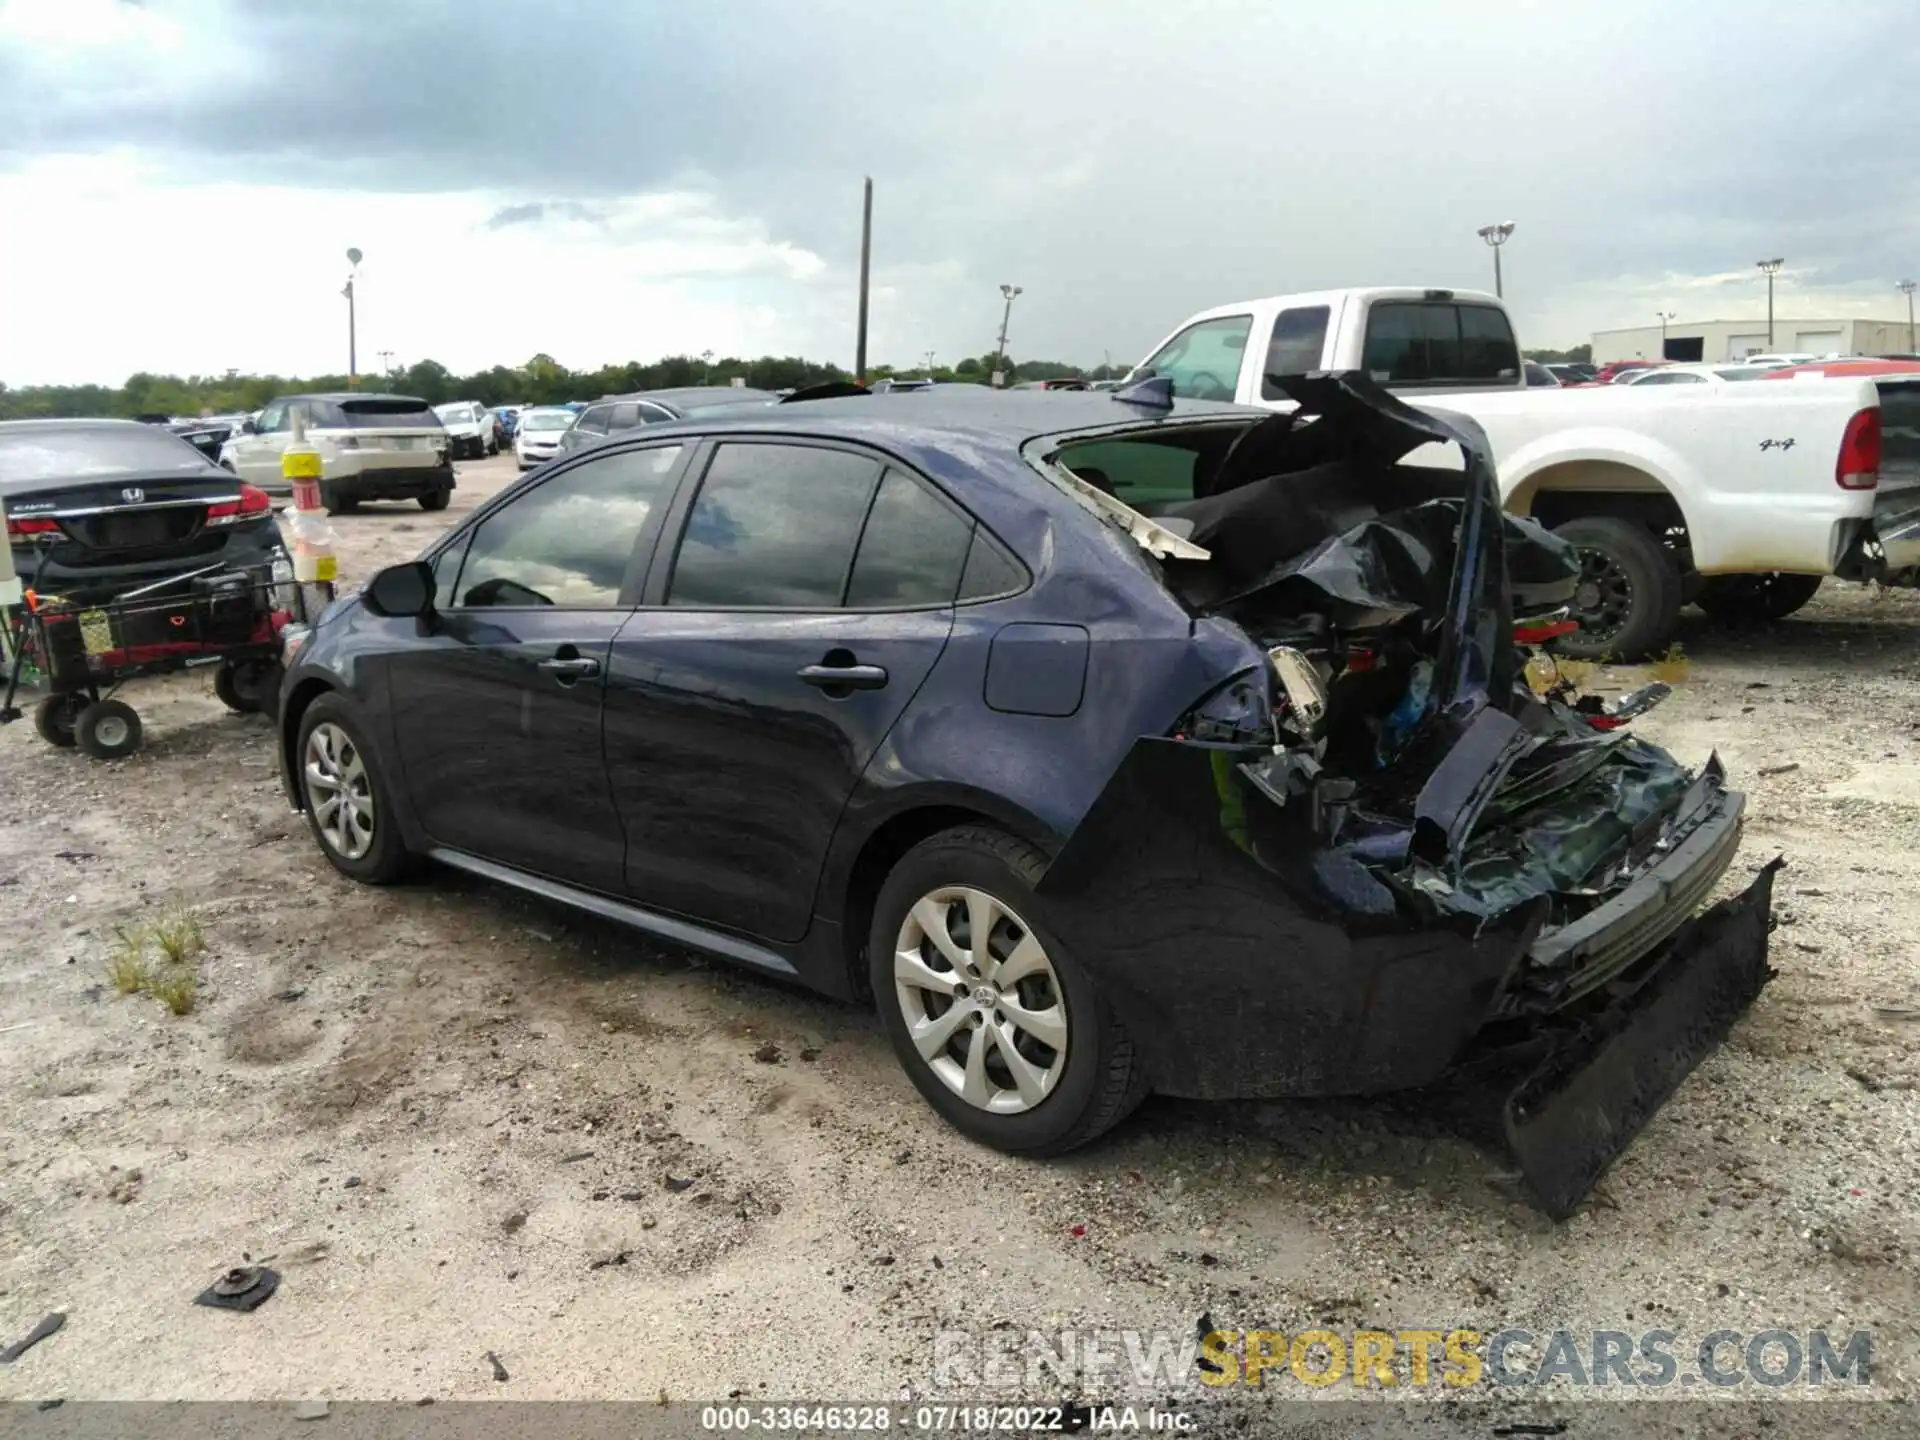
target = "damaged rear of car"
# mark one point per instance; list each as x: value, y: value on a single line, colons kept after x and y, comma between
x: 1377, y: 855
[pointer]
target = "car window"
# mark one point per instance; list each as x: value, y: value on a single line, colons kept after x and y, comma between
x: 594, y: 419
x: 623, y: 417
x: 569, y: 541
x: 991, y: 572
x: 1134, y: 471
x: 651, y: 414
x: 912, y: 550
x: 773, y: 525
x: 273, y: 419
x: 1203, y: 360
x: 446, y: 570
x: 1669, y: 378
x: 1299, y: 341
x: 384, y: 413
x: 1430, y: 343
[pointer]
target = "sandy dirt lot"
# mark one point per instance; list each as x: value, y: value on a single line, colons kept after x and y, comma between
x: 461, y: 1122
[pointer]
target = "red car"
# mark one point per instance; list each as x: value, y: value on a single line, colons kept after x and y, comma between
x: 1847, y: 369
x: 1613, y: 369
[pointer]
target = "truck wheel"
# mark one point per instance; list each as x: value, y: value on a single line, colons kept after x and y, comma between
x: 1628, y: 595
x: 1755, y: 598
x: 435, y: 500
x: 53, y: 718
x: 107, y: 730
x: 999, y: 1027
x: 335, y: 503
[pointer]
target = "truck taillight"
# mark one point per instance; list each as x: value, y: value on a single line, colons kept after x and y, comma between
x: 29, y: 529
x: 1858, y: 467
x: 252, y: 501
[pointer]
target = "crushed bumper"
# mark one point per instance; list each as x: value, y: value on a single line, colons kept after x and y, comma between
x: 408, y: 483
x: 1582, y: 1105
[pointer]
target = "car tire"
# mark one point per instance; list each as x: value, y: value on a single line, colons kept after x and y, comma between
x: 107, y: 730
x: 364, y: 842
x: 248, y: 687
x: 1756, y: 598
x: 1074, y: 1092
x: 335, y: 503
x: 493, y: 448
x: 435, y: 500
x: 54, y: 717
x: 1628, y: 594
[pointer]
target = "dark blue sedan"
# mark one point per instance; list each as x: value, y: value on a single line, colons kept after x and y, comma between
x: 1106, y: 743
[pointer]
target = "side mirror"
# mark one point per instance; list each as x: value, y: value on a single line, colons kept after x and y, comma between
x: 401, y: 590
x: 247, y: 427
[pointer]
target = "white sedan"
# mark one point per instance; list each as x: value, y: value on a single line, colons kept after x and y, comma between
x: 470, y: 428
x: 538, y: 438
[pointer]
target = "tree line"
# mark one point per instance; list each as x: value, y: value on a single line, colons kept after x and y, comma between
x: 541, y: 381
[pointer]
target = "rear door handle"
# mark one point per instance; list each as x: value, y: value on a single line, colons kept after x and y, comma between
x: 569, y: 668
x: 844, y: 677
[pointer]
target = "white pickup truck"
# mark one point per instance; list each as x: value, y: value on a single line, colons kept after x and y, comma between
x: 1738, y: 500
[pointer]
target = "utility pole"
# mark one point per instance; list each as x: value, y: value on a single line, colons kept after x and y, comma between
x: 866, y: 269
x: 998, y: 377
x: 1906, y: 289
x: 929, y: 364
x: 353, y: 357
x: 1771, y: 268
x: 1665, y: 316
x: 1496, y: 236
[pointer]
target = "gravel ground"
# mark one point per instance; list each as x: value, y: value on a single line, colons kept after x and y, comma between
x: 461, y: 1122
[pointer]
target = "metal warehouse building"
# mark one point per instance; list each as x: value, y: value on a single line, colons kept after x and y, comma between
x: 1717, y: 340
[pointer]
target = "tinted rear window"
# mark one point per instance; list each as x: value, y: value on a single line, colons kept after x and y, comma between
x: 381, y: 415
x: 76, y: 454
x: 1433, y: 343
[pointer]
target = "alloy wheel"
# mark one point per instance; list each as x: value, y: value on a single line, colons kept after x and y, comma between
x: 1603, y: 596
x: 983, y: 1005
x: 339, y: 791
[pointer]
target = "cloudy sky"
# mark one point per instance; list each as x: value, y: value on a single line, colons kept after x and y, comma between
x: 620, y: 179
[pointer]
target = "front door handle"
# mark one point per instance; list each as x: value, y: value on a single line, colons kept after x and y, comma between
x: 844, y: 677
x: 569, y: 668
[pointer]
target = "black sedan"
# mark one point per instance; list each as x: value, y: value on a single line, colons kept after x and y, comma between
x: 1108, y: 744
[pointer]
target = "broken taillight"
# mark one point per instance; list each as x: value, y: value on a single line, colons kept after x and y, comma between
x: 1858, y: 467
x: 252, y: 501
x: 31, y: 529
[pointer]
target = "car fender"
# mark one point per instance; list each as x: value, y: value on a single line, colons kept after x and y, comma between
x: 1658, y: 466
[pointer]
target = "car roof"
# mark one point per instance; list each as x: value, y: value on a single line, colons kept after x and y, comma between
x: 47, y: 425
x: 1005, y: 418
x: 359, y: 395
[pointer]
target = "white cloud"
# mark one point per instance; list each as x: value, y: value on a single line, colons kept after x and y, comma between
x: 121, y: 271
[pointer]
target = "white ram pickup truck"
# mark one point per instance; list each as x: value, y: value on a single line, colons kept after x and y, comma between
x: 1738, y: 499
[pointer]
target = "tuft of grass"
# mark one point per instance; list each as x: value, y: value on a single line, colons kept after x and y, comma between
x: 127, y: 967
x: 176, y: 991
x: 179, y: 937
x: 1672, y: 667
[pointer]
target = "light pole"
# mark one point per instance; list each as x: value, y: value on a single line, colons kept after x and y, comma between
x: 998, y: 377
x: 1496, y: 236
x: 386, y: 362
x: 1771, y: 269
x: 1665, y: 315
x: 706, y: 359
x: 1906, y: 289
x: 353, y: 357
x: 929, y: 364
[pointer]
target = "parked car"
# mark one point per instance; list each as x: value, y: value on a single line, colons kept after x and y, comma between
x: 470, y: 429
x: 1539, y: 377
x: 616, y: 413
x: 372, y: 447
x: 1785, y: 357
x: 1637, y: 478
x: 96, y: 508
x: 1573, y: 372
x: 507, y: 418
x: 537, y: 435
x: 1693, y: 375
x: 937, y: 706
x: 1614, y: 371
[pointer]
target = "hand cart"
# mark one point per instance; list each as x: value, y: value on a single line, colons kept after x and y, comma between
x: 79, y: 653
